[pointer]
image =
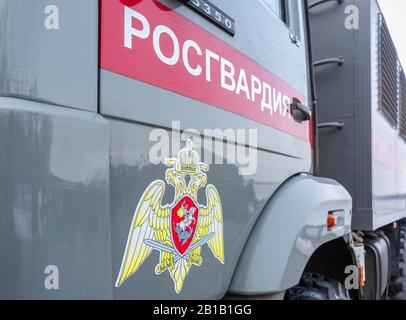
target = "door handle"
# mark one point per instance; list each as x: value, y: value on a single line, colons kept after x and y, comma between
x: 299, y: 111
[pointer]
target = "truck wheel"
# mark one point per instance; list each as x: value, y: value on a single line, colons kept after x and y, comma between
x: 397, y: 287
x: 316, y: 287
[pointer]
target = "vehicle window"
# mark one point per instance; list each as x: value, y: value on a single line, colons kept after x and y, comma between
x: 288, y: 11
x: 278, y: 7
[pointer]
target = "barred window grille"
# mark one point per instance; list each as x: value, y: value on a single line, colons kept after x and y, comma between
x: 388, y: 74
x: 402, y: 105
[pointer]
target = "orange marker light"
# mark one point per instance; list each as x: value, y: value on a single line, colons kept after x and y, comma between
x: 361, y: 271
x: 331, y: 221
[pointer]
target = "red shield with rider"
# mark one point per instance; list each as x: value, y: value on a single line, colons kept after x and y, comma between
x: 183, y: 223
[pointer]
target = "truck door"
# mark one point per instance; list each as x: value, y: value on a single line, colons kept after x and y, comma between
x: 222, y: 74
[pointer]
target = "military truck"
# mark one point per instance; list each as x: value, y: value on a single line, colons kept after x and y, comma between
x: 361, y: 113
x: 199, y: 150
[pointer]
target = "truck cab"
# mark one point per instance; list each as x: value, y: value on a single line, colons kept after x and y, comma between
x: 165, y: 150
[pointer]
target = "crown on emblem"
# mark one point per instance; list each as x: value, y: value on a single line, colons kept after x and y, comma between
x: 188, y: 158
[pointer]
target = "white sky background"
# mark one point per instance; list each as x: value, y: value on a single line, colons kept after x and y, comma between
x: 395, y: 16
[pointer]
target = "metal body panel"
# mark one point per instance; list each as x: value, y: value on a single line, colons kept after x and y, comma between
x: 273, y: 260
x: 71, y: 179
x: 126, y: 102
x: 349, y: 93
x: 57, y: 66
x: 134, y: 100
x: 267, y: 41
x: 388, y: 148
x: 54, y: 202
x: 134, y: 108
x: 243, y: 199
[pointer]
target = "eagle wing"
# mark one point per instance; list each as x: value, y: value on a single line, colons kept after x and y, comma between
x: 211, y: 221
x: 151, y: 221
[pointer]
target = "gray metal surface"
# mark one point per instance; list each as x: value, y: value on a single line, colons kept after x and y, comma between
x: 57, y: 66
x: 366, y: 154
x: 388, y: 148
x: 71, y: 179
x: 275, y: 260
x: 125, y: 101
x: 243, y: 199
x: 265, y: 42
x: 54, y: 200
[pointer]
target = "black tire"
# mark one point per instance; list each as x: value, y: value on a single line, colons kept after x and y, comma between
x: 397, y: 287
x: 316, y: 287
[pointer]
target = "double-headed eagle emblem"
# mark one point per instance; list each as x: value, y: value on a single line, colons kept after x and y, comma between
x: 177, y: 230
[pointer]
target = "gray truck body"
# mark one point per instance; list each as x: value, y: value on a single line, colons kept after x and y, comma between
x: 367, y: 154
x: 74, y: 161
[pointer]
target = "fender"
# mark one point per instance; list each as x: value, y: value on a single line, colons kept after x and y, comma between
x: 289, y: 230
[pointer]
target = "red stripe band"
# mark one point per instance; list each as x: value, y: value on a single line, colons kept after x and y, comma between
x: 149, y: 42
